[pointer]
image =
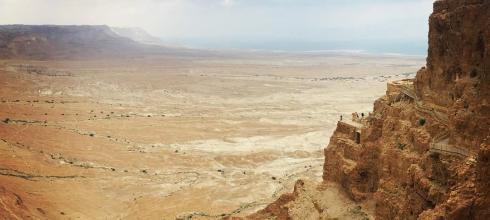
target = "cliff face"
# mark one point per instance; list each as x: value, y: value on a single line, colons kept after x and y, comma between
x: 138, y: 35
x: 458, y: 68
x: 424, y: 151
x: 59, y: 42
x: 50, y: 42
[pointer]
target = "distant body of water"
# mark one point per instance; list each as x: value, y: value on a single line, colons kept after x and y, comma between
x: 408, y: 47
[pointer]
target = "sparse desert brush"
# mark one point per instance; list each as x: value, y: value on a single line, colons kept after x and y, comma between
x: 401, y: 146
x: 86, y: 165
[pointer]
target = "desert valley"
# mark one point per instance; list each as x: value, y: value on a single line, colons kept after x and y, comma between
x: 153, y: 137
x: 98, y: 122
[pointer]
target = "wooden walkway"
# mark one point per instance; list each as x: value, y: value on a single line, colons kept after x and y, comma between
x: 409, y: 90
x: 444, y: 147
x: 440, y: 144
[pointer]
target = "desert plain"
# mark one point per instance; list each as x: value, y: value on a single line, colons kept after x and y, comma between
x: 177, y: 138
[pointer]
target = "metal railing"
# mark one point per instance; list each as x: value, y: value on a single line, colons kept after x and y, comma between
x: 441, y: 144
x: 409, y: 90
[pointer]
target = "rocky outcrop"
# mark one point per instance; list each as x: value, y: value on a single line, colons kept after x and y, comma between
x: 424, y: 151
x: 311, y: 201
x: 458, y: 66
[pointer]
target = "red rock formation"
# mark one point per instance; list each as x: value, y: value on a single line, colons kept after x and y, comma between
x: 458, y: 67
x: 424, y: 152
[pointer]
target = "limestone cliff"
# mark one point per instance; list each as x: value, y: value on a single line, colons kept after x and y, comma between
x: 59, y: 42
x: 55, y: 42
x: 424, y: 151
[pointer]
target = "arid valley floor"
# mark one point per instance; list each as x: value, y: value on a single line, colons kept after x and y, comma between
x: 176, y: 138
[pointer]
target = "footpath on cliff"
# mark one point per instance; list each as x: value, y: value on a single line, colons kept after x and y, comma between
x: 424, y: 151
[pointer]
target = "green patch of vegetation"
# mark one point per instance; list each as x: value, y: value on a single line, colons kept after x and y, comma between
x: 401, y: 146
x: 358, y: 213
x: 422, y: 121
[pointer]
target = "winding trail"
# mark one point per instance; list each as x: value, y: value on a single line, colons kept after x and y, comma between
x: 440, y: 143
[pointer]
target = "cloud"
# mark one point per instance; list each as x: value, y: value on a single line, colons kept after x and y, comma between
x: 227, y: 2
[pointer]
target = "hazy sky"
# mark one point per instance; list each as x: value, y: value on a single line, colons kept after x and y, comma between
x: 373, y: 25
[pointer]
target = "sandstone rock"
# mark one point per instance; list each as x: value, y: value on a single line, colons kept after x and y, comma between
x: 451, y: 96
x: 424, y: 152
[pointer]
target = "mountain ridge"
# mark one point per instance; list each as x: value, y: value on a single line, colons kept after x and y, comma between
x: 50, y: 42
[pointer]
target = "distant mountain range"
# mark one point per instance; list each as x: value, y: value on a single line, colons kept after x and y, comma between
x: 64, y: 42
x: 137, y: 34
x: 44, y: 42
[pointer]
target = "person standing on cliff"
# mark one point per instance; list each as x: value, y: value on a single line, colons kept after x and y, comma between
x: 341, y: 117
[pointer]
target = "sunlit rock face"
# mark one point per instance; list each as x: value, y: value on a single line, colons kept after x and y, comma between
x: 424, y: 151
x: 458, y: 67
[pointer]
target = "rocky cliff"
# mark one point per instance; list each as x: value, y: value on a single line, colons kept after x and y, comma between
x: 51, y: 42
x: 58, y: 42
x: 424, y: 151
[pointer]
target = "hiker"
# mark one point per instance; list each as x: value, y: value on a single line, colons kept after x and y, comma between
x: 355, y: 117
x: 341, y: 117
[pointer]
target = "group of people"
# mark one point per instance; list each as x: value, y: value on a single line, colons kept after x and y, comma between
x: 355, y: 117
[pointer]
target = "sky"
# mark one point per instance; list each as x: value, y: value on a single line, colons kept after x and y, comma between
x: 375, y: 26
